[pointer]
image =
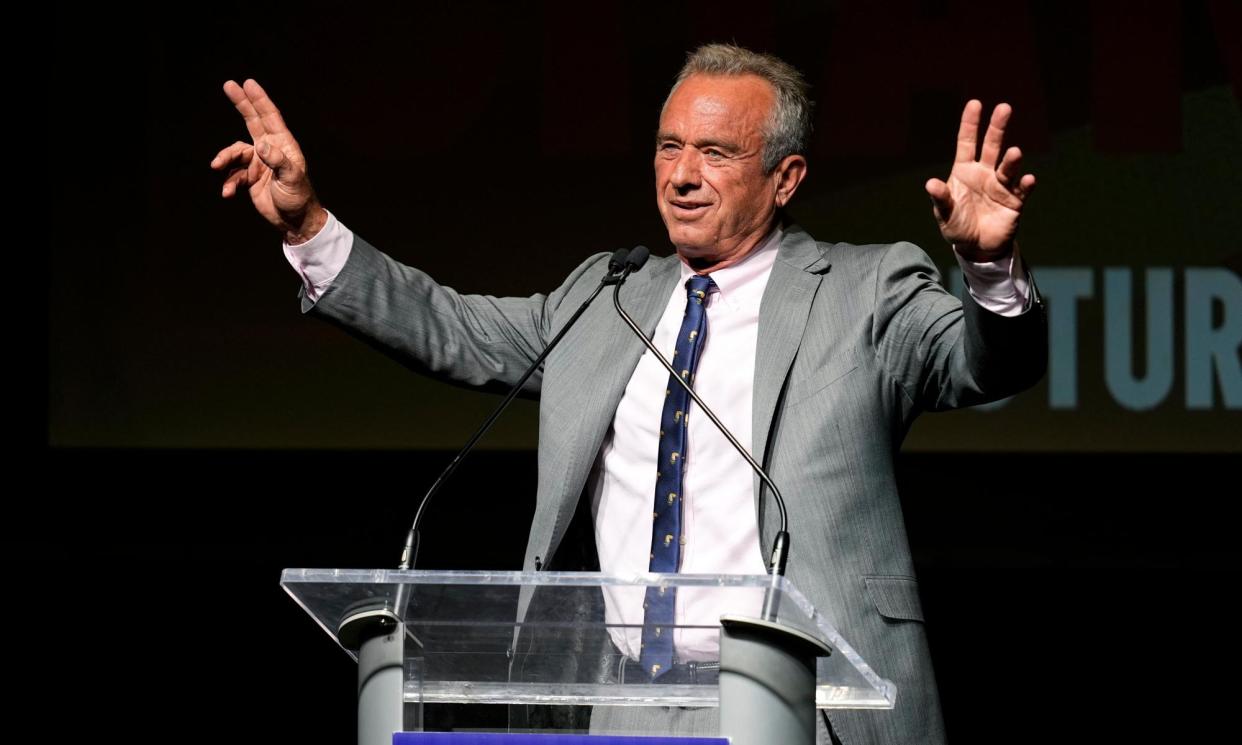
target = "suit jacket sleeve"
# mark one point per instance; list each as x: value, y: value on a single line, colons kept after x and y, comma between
x: 943, y: 352
x: 477, y: 341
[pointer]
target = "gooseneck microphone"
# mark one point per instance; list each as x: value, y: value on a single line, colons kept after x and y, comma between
x: 780, y: 547
x: 367, y: 627
x: 619, y: 268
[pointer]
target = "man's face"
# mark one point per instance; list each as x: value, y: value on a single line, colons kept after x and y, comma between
x: 711, y: 190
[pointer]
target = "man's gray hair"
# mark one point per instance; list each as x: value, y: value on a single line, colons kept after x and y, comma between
x: 789, y: 127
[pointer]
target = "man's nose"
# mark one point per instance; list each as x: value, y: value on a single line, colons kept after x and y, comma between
x: 686, y: 172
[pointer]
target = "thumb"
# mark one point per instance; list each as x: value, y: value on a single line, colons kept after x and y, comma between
x: 275, y: 158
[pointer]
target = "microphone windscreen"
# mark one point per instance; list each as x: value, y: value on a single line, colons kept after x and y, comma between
x: 617, y: 263
x: 637, y: 258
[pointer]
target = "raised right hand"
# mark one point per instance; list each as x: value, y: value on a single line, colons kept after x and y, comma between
x: 277, y: 180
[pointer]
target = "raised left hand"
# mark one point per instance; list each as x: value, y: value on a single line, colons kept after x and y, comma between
x: 978, y: 208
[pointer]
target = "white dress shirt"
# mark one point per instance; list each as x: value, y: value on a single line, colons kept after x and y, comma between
x: 718, y: 505
x: 721, y: 535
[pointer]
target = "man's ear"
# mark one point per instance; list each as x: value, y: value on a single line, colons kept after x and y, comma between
x: 789, y: 174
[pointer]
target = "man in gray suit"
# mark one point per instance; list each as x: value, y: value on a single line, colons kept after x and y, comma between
x: 821, y: 354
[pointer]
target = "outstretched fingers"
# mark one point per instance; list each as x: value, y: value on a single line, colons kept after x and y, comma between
x: 1010, y: 167
x: 238, y: 178
x: 240, y: 162
x: 995, y: 134
x: 1026, y: 185
x: 968, y: 132
x: 1009, y: 174
x: 237, y: 152
x: 273, y: 122
x: 237, y: 95
x: 256, y: 107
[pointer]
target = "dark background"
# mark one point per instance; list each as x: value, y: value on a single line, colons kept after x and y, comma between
x: 199, y: 434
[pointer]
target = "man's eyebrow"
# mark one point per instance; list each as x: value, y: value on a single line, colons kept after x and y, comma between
x: 725, y: 145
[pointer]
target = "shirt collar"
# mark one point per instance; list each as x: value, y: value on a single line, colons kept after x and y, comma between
x: 741, y: 283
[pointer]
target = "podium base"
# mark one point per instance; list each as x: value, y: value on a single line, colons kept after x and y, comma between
x: 378, y: 636
x: 767, y: 682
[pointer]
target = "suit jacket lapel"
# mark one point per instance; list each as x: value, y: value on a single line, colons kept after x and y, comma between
x: 644, y: 297
x: 783, y: 315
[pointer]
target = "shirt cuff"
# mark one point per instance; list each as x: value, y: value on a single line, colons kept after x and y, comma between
x: 320, y: 259
x: 1001, y: 286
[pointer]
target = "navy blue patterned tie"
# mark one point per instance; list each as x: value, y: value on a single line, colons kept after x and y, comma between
x: 656, y: 656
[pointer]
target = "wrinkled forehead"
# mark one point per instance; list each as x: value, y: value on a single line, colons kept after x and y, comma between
x: 740, y: 104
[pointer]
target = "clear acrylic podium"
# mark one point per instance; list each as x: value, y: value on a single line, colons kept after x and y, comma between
x: 549, y: 638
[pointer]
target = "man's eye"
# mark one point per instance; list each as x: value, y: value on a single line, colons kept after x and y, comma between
x: 713, y: 154
x: 668, y: 147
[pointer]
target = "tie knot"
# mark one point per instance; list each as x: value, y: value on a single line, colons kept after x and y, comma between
x: 698, y: 287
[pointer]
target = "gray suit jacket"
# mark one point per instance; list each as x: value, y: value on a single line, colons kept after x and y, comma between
x: 854, y: 342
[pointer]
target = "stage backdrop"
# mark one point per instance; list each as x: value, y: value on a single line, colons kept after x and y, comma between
x: 497, y: 145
